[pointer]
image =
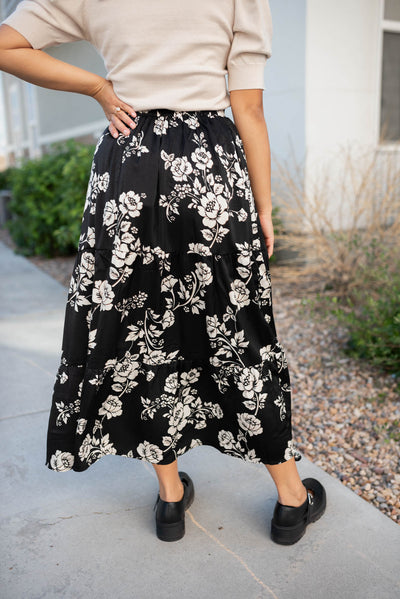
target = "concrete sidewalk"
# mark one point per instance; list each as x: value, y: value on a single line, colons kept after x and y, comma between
x: 91, y: 534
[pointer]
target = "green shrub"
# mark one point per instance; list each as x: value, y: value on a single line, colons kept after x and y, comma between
x: 372, y: 318
x: 48, y: 196
x: 5, y: 177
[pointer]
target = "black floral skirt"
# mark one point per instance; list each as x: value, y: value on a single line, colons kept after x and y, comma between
x: 169, y: 339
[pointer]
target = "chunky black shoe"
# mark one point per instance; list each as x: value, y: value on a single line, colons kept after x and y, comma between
x: 289, y: 522
x: 170, y: 515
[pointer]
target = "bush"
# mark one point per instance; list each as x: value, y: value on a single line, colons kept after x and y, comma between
x: 336, y: 227
x: 349, y: 249
x: 373, y: 321
x: 5, y: 177
x: 48, y: 196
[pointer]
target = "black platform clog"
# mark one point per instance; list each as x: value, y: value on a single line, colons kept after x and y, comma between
x: 289, y: 523
x: 170, y: 515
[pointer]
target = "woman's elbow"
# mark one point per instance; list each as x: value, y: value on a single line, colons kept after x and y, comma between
x: 249, y: 101
x: 11, y: 39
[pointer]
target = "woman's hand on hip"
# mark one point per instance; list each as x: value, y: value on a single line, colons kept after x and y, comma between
x: 109, y: 101
x: 268, y: 231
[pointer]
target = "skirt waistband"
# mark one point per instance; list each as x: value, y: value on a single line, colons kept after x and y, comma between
x: 170, y: 111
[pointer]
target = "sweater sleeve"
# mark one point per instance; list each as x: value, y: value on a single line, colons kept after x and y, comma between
x: 47, y: 23
x: 251, y: 44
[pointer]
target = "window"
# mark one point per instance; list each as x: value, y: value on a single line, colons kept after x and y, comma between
x: 390, y: 83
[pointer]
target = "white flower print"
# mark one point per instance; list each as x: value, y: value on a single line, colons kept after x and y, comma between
x: 241, y: 215
x: 214, y: 326
x: 63, y: 378
x: 168, y: 283
x: 149, y: 451
x: 122, y: 253
x: 217, y: 410
x: 189, y: 378
x: 91, y: 237
x: 130, y: 203
x: 65, y: 411
x: 291, y: 451
x: 195, y: 443
x: 280, y: 402
x: 190, y: 291
x: 178, y: 418
x: 111, y: 407
x: 251, y: 456
x: 61, y: 461
x: 84, y: 449
x: 267, y: 353
x: 86, y: 265
x: 204, y: 273
x: 103, y: 295
x: 134, y: 147
x: 192, y: 122
x: 160, y: 125
x: 181, y: 168
x: 213, y: 209
x: 98, y: 183
x: 239, y: 293
x: 80, y: 426
x: 249, y: 423
x: 92, y: 339
x: 110, y: 213
x: 202, y: 158
x: 171, y: 383
x: 245, y: 253
x: 126, y: 370
x: 250, y: 382
x: 199, y: 248
x: 226, y: 439
x: 168, y: 319
x: 92, y: 448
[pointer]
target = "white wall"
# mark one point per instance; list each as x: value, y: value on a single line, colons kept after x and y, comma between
x: 284, y: 102
x: 342, y: 82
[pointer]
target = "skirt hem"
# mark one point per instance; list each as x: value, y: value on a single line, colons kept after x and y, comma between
x: 291, y: 452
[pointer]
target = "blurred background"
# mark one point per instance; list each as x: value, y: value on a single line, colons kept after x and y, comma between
x: 334, y: 77
x: 332, y: 106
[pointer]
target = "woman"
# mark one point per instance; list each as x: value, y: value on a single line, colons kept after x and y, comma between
x: 169, y: 338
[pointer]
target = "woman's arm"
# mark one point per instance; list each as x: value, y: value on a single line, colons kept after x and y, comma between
x: 35, y: 66
x: 248, y: 114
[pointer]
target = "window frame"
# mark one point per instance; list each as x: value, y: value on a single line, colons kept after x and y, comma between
x: 385, y: 25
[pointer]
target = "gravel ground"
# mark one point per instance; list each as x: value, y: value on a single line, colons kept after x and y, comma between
x: 345, y: 413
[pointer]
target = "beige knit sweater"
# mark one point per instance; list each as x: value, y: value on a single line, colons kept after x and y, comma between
x: 161, y: 53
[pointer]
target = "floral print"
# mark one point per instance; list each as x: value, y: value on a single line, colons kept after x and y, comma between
x: 169, y: 339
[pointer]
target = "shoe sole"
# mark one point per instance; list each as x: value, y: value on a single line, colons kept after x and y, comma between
x: 172, y: 531
x: 288, y: 535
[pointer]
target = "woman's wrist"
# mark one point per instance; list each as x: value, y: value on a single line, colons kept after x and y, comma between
x: 264, y: 209
x: 97, y: 85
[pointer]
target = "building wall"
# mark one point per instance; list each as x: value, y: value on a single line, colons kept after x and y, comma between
x: 284, y: 94
x: 342, y: 86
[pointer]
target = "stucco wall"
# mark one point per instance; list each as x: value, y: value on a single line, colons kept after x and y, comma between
x: 342, y: 85
x: 284, y: 96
